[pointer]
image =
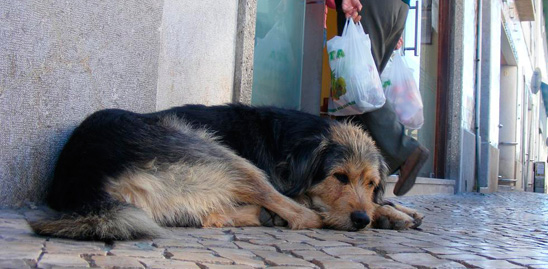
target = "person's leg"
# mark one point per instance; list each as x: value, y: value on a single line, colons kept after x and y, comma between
x: 384, y: 22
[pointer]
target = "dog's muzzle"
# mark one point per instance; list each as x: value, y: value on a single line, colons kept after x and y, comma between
x: 359, y: 219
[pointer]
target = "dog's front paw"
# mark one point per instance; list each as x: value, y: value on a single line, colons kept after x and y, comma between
x: 417, y: 217
x: 388, y: 217
x: 308, y: 219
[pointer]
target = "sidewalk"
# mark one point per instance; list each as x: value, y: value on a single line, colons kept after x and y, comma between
x: 503, y: 230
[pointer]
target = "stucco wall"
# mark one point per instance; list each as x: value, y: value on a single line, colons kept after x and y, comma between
x: 62, y: 60
x: 198, y: 44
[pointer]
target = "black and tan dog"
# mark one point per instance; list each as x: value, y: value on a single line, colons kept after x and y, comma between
x: 123, y: 175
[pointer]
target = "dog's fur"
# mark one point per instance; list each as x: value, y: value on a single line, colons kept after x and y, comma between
x: 123, y: 175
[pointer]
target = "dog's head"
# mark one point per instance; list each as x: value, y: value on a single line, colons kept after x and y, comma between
x: 349, y: 174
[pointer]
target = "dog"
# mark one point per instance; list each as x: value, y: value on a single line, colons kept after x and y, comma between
x: 124, y: 175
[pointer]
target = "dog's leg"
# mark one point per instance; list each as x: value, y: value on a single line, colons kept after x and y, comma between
x: 258, y: 191
x: 411, y: 212
x: 389, y: 217
x: 241, y: 216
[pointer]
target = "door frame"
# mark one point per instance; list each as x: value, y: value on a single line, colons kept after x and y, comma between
x: 443, y: 84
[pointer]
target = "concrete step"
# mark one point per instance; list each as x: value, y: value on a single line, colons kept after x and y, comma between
x: 507, y: 181
x: 506, y: 188
x: 423, y: 186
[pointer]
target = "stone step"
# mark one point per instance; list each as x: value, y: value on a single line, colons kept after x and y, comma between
x: 423, y: 186
x: 507, y: 181
x: 506, y: 188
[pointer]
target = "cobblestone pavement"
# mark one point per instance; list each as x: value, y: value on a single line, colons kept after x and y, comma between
x: 503, y: 230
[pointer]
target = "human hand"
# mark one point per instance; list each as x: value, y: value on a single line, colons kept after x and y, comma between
x: 351, y: 9
x: 400, y: 43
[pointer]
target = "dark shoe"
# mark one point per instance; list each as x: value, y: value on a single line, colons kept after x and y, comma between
x: 410, y: 169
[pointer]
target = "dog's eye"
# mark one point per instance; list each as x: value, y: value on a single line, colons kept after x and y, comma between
x: 372, y: 184
x: 342, y: 178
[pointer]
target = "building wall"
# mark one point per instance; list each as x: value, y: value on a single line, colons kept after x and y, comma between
x: 62, y: 60
x: 526, y: 44
x: 197, y: 50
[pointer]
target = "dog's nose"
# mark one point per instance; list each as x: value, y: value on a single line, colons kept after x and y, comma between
x: 359, y: 219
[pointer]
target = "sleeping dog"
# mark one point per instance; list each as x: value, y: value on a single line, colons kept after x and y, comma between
x: 124, y: 175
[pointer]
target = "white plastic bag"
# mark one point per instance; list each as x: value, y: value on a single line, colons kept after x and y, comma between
x: 402, y: 92
x: 355, y: 83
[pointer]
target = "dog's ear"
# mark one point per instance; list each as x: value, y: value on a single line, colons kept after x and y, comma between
x: 378, y: 193
x: 303, y: 166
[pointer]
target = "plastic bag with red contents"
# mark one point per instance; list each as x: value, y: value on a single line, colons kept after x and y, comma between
x: 402, y: 92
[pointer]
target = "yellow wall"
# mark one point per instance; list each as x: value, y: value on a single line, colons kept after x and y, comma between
x: 326, y: 72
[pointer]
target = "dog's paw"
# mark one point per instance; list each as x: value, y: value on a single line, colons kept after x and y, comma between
x: 417, y: 217
x: 307, y: 219
x: 388, y: 217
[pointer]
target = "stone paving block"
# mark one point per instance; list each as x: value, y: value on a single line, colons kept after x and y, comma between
x: 61, y: 260
x: 463, y: 257
x: 275, y: 258
x: 153, y: 253
x: 168, y: 264
x: 420, y: 244
x: 375, y: 261
x: 117, y: 262
x: 19, y: 250
x: 311, y: 255
x: 250, y: 246
x: 348, y: 251
x: 290, y: 267
x: 269, y: 242
x: 444, y: 251
x: 284, y: 247
x: 366, y: 259
x: 247, y: 237
x: 23, y: 238
x: 336, y: 264
x: 61, y: 241
x: 187, y: 250
x: 390, y: 265
x: 20, y: 224
x: 215, y: 243
x: 497, y: 255
x: 230, y: 251
x: 218, y: 237
x: 527, y: 261
x: 259, y: 230
x: 391, y: 249
x: 493, y: 264
x: 425, y: 260
x: 222, y: 266
x: 327, y: 244
x: 13, y: 263
x: 172, y: 243
x: 63, y: 248
x: 328, y: 237
x: 240, y: 256
x: 16, y: 232
x: 178, y: 254
x: 245, y: 260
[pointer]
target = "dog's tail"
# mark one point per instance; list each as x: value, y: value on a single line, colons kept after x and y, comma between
x: 111, y: 220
